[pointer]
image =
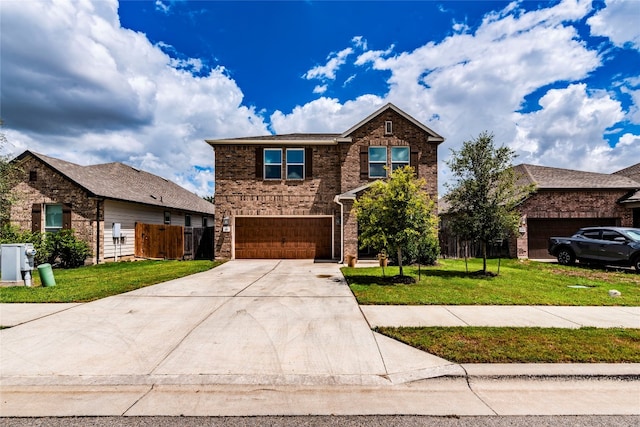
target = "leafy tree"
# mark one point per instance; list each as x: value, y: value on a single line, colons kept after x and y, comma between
x: 485, y: 193
x: 8, y: 175
x: 397, y: 216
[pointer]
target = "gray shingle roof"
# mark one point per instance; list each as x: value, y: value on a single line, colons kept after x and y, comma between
x: 324, y: 138
x: 118, y: 181
x: 555, y: 178
x: 632, y: 172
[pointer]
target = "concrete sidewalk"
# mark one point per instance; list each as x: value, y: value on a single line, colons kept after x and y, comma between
x: 266, y: 338
x: 519, y: 316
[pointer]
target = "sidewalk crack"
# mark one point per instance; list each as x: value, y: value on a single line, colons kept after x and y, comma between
x: 468, y: 380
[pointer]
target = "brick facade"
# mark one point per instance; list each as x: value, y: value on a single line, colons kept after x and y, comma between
x: 569, y: 204
x: 336, y: 169
x: 50, y: 187
x: 240, y: 193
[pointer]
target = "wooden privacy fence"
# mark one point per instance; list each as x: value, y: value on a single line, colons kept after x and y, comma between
x: 198, y: 243
x: 173, y: 242
x: 159, y: 241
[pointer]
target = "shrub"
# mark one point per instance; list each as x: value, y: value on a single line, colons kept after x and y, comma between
x: 68, y: 248
x: 50, y: 247
x: 428, y: 251
x: 12, y: 234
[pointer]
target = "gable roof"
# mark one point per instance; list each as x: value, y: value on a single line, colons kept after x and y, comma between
x: 433, y: 136
x: 322, y: 138
x: 544, y: 177
x: 117, y: 181
x: 632, y: 172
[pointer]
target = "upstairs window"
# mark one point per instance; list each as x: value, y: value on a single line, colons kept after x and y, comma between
x: 167, y: 217
x: 399, y: 157
x: 272, y: 163
x: 187, y: 220
x: 295, y: 163
x: 377, y: 162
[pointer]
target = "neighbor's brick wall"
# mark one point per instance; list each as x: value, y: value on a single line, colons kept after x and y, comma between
x: 553, y: 204
x: 52, y: 188
x: 569, y: 204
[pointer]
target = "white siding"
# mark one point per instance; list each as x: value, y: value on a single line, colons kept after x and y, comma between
x: 127, y: 214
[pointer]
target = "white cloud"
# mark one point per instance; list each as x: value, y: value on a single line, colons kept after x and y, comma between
x: 475, y: 81
x: 325, y: 115
x: 160, y: 6
x: 328, y: 70
x: 97, y: 92
x: 568, y: 130
x: 349, y: 80
x: 619, y: 21
x: 634, y: 111
x: 373, y: 55
x: 360, y: 42
x: 320, y: 89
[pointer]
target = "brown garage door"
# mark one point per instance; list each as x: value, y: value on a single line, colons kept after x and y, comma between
x: 283, y: 238
x: 541, y: 229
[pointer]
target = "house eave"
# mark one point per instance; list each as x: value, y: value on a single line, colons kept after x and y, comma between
x: 278, y: 142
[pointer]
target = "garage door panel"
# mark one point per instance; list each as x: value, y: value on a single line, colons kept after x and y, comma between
x: 540, y: 230
x: 288, y: 238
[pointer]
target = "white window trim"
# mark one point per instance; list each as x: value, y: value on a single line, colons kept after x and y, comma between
x: 378, y: 162
x: 265, y: 164
x: 304, y: 169
x: 388, y: 127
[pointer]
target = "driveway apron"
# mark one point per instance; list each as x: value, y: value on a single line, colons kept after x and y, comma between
x: 245, y: 322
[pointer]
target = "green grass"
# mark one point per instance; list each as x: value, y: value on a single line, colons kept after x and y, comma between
x: 520, y: 283
x: 98, y: 281
x: 523, y: 345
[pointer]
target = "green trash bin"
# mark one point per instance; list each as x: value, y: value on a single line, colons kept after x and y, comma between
x: 46, y: 275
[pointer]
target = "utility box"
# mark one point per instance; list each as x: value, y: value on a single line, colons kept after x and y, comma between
x: 16, y: 263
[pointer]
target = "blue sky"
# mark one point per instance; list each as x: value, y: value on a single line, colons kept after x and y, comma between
x: 145, y: 82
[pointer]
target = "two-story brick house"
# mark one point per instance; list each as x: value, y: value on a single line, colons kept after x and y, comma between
x: 291, y: 196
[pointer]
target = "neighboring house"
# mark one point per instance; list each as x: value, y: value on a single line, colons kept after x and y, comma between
x: 291, y: 196
x: 53, y: 194
x: 633, y: 201
x: 566, y: 200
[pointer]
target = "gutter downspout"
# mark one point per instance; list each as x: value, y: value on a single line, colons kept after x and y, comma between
x: 337, y: 200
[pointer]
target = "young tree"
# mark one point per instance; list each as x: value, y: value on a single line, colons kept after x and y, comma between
x: 485, y: 193
x: 8, y: 173
x: 397, y: 215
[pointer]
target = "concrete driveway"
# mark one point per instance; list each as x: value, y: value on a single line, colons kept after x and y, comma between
x: 266, y: 338
x: 245, y: 322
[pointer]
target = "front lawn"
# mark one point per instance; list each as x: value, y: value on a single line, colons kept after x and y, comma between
x: 523, y: 345
x: 521, y: 282
x: 98, y: 281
